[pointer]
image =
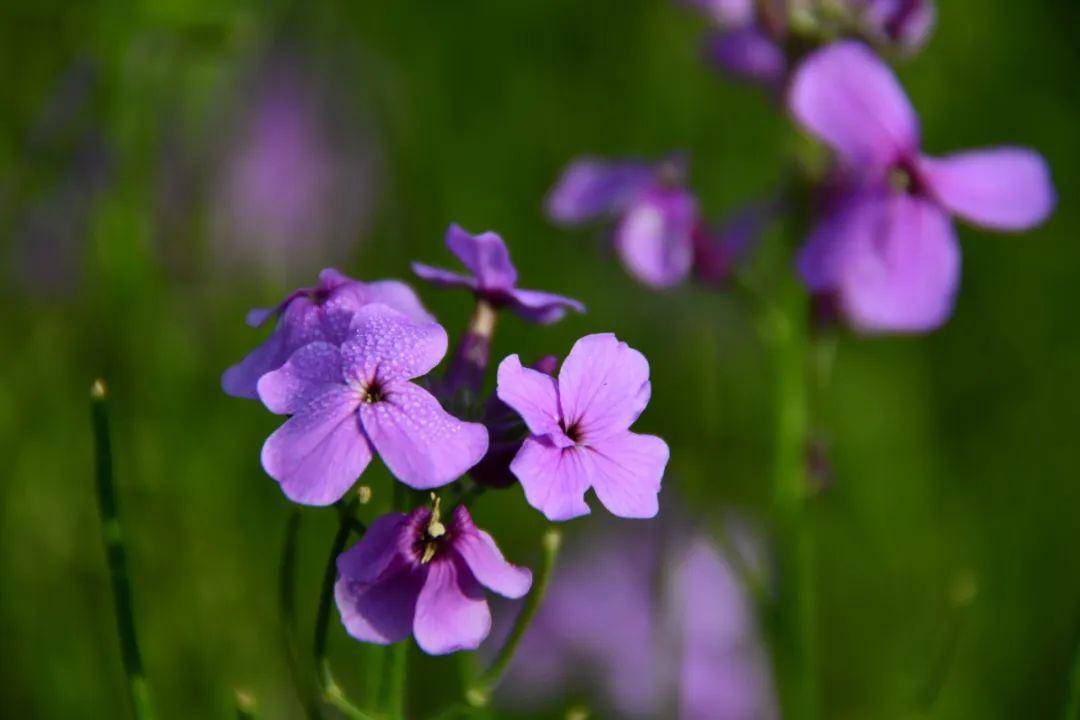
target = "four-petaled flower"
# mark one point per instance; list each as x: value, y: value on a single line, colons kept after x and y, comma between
x: 414, y: 574
x: 494, y: 278
x: 319, y: 313
x: 886, y: 248
x: 348, y: 402
x: 580, y: 437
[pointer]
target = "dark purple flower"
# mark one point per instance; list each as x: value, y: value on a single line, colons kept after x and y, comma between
x: 320, y: 313
x: 507, y: 433
x: 906, y: 24
x: 494, y: 279
x: 413, y: 574
x: 887, y: 248
x: 351, y: 401
x: 655, y: 217
x: 579, y: 431
x: 749, y: 54
x: 719, y: 253
x: 681, y: 640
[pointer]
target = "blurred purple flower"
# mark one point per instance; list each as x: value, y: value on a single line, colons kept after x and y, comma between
x: 659, y: 619
x: 743, y: 44
x: 349, y: 402
x: 655, y: 217
x: 886, y: 247
x: 579, y: 431
x: 295, y: 187
x: 494, y: 278
x: 719, y: 253
x: 324, y: 313
x: 412, y: 574
x: 507, y: 433
x: 906, y: 24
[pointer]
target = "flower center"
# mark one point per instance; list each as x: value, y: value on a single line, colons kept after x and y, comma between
x: 372, y: 394
x: 434, y: 533
x: 573, y: 432
x: 904, y: 179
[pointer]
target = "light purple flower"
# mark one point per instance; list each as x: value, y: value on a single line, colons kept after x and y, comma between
x: 886, y: 248
x: 494, y: 278
x: 320, y: 313
x: 351, y: 401
x: 680, y: 640
x: 412, y: 574
x: 749, y: 54
x: 579, y: 431
x: 655, y: 217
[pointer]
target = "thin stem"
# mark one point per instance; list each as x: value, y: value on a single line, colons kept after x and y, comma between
x: 116, y: 555
x: 796, y: 611
x: 287, y: 602
x: 332, y: 693
x: 479, y: 695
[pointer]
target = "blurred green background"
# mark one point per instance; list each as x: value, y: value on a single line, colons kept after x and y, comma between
x: 955, y: 454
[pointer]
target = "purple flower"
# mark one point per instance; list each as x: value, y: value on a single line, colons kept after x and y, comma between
x: 412, y: 574
x: 681, y: 641
x: 579, y: 431
x: 494, y: 278
x: 656, y: 218
x: 743, y: 46
x: 718, y: 253
x: 350, y: 401
x: 320, y: 313
x: 906, y: 24
x: 507, y: 434
x: 886, y: 246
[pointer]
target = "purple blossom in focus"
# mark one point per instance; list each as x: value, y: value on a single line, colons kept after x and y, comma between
x: 658, y: 620
x: 659, y: 235
x: 579, y: 431
x: 494, y: 278
x: 296, y: 181
x: 886, y: 246
x: 507, y: 434
x: 320, y: 313
x: 413, y: 574
x: 349, y: 402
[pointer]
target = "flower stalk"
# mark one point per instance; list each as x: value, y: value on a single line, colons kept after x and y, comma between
x: 479, y: 694
x: 287, y: 604
x: 116, y: 555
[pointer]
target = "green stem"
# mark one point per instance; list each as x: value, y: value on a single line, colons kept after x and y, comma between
x: 797, y: 611
x: 1072, y: 705
x: 332, y: 693
x: 287, y: 601
x: 479, y: 695
x: 116, y: 556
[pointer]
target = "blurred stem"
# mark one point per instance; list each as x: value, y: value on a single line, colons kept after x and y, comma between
x: 287, y: 601
x: 116, y: 555
x: 479, y: 694
x: 796, y: 613
x: 332, y: 693
x: 393, y: 683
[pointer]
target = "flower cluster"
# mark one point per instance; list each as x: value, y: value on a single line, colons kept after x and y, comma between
x: 346, y: 362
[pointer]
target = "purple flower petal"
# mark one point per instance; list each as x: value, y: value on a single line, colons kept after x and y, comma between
x: 627, y: 470
x: 385, y: 346
x: 727, y: 13
x: 908, y: 23
x: 311, y: 371
x: 655, y: 238
x: 446, y: 278
x: 381, y: 612
x: 399, y: 296
x: 482, y: 555
x: 541, y: 307
x: 485, y: 255
x: 903, y: 266
x: 822, y: 256
x: 555, y: 480
x: 749, y: 54
x: 1001, y: 189
x: 241, y: 380
x: 421, y: 444
x: 534, y: 395
x: 451, y: 613
x: 368, y: 560
x: 603, y: 386
x: 590, y: 188
x: 320, y: 452
x: 845, y: 95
